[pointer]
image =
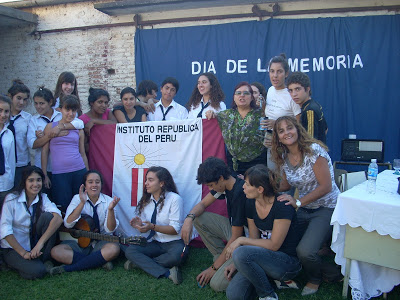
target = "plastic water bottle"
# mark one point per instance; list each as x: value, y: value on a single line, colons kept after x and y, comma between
x: 372, y: 175
x: 261, y: 100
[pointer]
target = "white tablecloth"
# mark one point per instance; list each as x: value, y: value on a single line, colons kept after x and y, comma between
x: 380, y: 212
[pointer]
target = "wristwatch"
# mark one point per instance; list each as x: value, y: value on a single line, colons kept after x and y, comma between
x: 298, y: 203
x: 193, y: 216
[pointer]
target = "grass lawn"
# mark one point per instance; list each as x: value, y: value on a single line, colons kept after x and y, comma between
x: 135, y: 284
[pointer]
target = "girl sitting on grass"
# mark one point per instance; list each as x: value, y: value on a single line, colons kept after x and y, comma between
x: 100, y: 207
x: 29, y: 221
x: 270, y: 249
x: 160, y: 215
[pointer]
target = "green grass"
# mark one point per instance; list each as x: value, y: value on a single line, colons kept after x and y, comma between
x: 135, y: 284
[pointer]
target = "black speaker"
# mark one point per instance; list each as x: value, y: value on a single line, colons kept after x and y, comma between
x: 362, y: 150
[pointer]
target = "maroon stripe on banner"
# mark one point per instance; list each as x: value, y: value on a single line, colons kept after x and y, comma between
x: 135, y: 185
x: 134, y: 190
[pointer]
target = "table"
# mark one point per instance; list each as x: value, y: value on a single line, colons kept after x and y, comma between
x: 366, y: 237
x: 360, y: 163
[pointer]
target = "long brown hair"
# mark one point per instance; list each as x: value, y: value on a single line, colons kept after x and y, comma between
x: 163, y: 175
x: 28, y: 171
x: 216, y: 93
x: 68, y: 77
x: 304, y: 141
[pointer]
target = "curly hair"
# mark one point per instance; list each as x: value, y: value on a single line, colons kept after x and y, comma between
x: 211, y: 170
x: 145, y: 88
x: 163, y: 175
x: 299, y: 78
x: 216, y: 93
x: 304, y: 141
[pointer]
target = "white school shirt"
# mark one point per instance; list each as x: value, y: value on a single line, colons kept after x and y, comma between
x: 102, y: 211
x: 280, y: 103
x: 171, y: 214
x: 57, y: 104
x: 38, y: 121
x: 21, y: 130
x: 7, y: 179
x: 194, y: 111
x: 16, y: 220
x: 177, y: 112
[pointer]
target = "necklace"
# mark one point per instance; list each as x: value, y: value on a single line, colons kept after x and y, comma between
x: 243, y: 121
x: 296, y: 158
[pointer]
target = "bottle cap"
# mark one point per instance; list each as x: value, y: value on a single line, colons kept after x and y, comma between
x: 373, y: 160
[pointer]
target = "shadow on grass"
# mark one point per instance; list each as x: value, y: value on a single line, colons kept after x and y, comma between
x: 136, y: 284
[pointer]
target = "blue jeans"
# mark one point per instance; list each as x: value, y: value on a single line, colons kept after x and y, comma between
x: 255, y: 265
x: 65, y: 185
x: 157, y: 258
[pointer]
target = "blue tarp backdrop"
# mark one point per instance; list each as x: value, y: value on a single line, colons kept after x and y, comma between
x: 353, y: 64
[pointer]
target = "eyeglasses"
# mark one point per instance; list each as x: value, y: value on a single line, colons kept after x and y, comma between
x: 244, y: 93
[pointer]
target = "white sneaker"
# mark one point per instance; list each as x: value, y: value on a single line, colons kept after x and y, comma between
x: 175, y: 275
x: 275, y: 297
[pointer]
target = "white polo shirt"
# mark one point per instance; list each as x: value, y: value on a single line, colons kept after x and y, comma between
x: 16, y: 220
x: 177, y: 112
x: 21, y: 130
x: 102, y: 211
x: 194, y: 111
x: 170, y: 214
x: 7, y: 141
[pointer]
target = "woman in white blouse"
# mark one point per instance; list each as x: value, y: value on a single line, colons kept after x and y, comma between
x: 29, y: 221
x: 160, y: 215
x: 207, y: 95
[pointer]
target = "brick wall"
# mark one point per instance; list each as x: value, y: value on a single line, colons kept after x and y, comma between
x: 90, y: 53
x: 86, y: 53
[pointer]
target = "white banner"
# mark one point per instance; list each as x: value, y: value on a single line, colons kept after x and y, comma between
x: 174, y: 145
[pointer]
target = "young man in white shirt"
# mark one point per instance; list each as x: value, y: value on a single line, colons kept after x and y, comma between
x: 167, y: 109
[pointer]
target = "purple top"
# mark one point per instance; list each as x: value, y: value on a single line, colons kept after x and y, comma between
x: 64, y: 153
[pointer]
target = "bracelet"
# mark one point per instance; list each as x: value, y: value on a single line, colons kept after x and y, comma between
x: 193, y: 216
x: 213, y: 267
x: 154, y: 227
x: 65, y: 126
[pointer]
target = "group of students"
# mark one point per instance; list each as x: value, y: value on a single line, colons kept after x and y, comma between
x: 261, y: 128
